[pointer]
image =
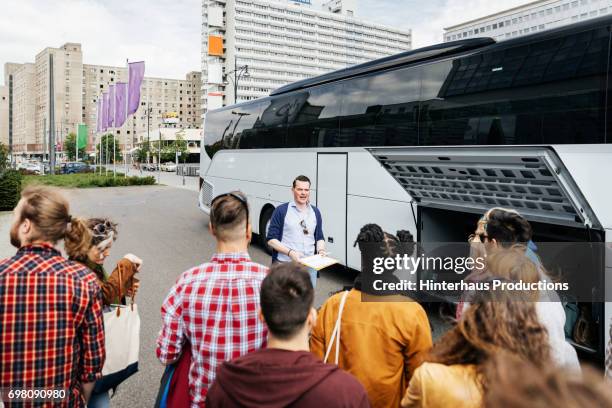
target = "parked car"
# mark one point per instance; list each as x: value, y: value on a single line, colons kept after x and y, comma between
x: 150, y: 166
x: 169, y: 166
x: 73, y: 167
x: 34, y: 167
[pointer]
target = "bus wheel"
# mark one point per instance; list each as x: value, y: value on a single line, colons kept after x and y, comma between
x: 264, y: 224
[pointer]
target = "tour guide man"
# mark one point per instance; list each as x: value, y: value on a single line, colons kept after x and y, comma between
x: 296, y: 228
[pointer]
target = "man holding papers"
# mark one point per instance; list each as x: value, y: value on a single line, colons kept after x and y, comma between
x: 296, y: 228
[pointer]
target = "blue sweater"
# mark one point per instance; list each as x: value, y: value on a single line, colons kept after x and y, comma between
x: 277, y: 224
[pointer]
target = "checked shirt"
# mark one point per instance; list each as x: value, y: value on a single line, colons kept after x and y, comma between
x: 215, y: 307
x: 51, y: 324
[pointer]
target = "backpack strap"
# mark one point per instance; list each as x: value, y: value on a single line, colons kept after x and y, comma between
x: 336, y: 333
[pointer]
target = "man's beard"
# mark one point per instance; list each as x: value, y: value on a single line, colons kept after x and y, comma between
x: 15, y: 241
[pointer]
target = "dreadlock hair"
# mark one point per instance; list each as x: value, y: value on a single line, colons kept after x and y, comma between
x: 389, y: 245
x: 507, y: 227
x: 375, y: 243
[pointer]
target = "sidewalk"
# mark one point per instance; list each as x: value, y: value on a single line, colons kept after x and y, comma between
x: 166, y: 178
x: 6, y: 249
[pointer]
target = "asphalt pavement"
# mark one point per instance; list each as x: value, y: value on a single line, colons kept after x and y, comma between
x: 163, y: 226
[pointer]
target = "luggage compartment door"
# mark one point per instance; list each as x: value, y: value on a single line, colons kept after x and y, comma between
x: 331, y: 200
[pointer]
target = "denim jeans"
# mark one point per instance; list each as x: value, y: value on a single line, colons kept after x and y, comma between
x: 312, y: 272
x: 313, y: 277
x: 101, y: 400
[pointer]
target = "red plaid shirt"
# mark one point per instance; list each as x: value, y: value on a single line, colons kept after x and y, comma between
x: 51, y: 324
x: 215, y: 307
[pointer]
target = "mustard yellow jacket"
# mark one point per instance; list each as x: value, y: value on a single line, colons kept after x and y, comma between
x: 436, y: 385
x: 382, y: 342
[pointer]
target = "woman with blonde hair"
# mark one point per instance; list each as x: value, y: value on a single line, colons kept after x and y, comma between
x: 514, y: 265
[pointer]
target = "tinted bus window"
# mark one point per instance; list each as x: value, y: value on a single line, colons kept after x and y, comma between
x: 272, y: 129
x: 246, y: 119
x: 381, y: 109
x: 218, y: 124
x: 549, y: 92
x: 314, y: 120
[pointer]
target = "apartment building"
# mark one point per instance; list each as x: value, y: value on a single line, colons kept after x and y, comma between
x: 20, y: 79
x: 283, y: 41
x: 529, y: 18
x: 4, y: 114
x: 77, y: 87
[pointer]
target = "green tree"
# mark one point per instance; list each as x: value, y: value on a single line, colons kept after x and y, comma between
x: 107, y: 149
x: 140, y: 154
x: 180, y: 145
x: 3, y: 156
x: 70, y: 147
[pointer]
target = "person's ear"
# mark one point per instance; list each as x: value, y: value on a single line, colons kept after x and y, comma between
x: 249, y: 232
x: 211, y: 229
x: 261, y: 317
x: 26, y: 226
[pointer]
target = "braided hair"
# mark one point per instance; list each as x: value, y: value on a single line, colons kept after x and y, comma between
x: 389, y: 244
x: 375, y: 243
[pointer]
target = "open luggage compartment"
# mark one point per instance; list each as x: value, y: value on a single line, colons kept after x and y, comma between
x: 454, y: 186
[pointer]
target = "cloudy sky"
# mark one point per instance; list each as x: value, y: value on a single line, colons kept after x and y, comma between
x: 166, y: 33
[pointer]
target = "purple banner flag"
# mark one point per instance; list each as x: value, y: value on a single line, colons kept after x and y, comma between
x: 135, y: 75
x: 105, y: 111
x: 120, y: 100
x: 111, y: 108
x: 99, y: 116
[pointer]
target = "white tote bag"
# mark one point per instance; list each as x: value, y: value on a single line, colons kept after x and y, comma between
x: 121, y: 337
x: 336, y: 333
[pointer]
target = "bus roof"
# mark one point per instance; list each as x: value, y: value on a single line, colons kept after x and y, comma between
x: 434, y: 51
x: 420, y: 54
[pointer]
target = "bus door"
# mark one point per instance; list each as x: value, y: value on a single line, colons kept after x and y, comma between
x: 331, y: 200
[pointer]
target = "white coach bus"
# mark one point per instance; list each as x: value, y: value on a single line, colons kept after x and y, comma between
x: 429, y: 139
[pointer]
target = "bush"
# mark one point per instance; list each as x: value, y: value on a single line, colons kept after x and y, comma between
x: 88, y: 180
x: 10, y: 189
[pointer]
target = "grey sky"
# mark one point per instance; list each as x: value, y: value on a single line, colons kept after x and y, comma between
x: 166, y: 33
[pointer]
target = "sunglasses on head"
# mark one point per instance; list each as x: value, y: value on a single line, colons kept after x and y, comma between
x: 103, y: 228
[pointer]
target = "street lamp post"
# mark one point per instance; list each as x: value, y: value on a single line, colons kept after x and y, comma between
x: 236, y: 75
x: 149, y: 110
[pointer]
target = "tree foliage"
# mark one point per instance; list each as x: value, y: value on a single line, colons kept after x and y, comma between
x: 3, y: 157
x: 169, y: 149
x: 107, y: 149
x: 70, y: 147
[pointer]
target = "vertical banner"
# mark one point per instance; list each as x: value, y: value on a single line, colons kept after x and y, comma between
x: 120, y: 101
x: 105, y: 111
x: 81, y: 136
x: 135, y: 75
x: 111, y: 97
x: 99, y: 117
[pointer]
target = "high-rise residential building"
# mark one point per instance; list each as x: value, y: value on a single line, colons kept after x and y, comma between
x: 529, y: 18
x: 77, y: 87
x: 4, y: 114
x: 21, y: 81
x: 282, y: 41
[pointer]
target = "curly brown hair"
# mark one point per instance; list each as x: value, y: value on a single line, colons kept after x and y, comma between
x: 497, y: 321
x: 516, y: 383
